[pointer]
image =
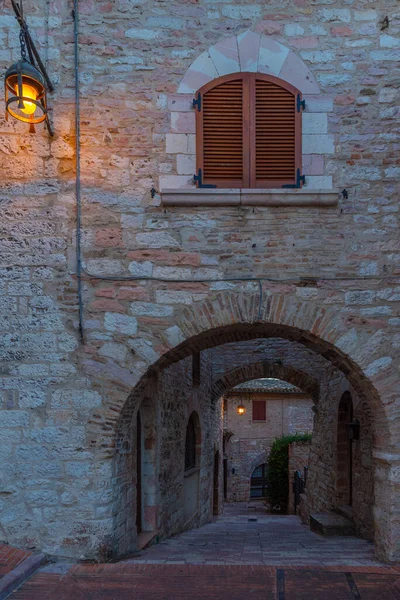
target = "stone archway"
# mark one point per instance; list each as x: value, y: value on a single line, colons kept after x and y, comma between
x: 229, y: 317
x: 258, y: 370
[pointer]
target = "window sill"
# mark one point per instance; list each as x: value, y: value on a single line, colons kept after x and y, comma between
x: 246, y: 197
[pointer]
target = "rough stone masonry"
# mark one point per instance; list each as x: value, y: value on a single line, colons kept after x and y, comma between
x: 329, y: 275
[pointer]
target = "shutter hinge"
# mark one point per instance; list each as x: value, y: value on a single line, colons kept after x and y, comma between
x: 198, y: 180
x: 301, y: 104
x: 197, y: 102
x: 300, y: 179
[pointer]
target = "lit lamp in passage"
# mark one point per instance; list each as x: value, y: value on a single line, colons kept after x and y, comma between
x: 25, y: 94
x: 26, y: 81
x: 241, y: 410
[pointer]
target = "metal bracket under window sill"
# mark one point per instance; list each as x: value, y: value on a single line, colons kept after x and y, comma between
x: 249, y: 197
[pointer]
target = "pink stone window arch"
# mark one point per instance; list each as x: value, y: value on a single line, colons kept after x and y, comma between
x: 248, y: 52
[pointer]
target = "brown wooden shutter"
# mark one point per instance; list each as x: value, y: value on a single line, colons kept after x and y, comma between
x: 248, y: 132
x: 220, y: 139
x: 277, y: 139
x: 259, y: 410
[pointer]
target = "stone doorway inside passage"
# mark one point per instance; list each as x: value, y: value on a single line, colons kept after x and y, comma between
x: 183, y: 447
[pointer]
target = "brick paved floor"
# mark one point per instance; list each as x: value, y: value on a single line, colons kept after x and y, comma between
x: 233, y: 558
x: 11, y: 558
x: 236, y: 538
x: 127, y: 581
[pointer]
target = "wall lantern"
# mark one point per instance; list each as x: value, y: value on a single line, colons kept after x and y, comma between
x: 241, y: 410
x: 26, y: 81
x: 353, y: 429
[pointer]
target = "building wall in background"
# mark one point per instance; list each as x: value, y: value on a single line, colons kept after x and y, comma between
x: 251, y: 442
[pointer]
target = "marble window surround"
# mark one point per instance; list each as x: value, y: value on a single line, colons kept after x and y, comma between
x: 252, y: 52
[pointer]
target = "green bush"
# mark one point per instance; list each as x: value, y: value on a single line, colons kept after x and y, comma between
x: 278, y: 466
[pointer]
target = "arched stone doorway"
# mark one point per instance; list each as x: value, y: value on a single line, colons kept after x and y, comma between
x: 259, y: 482
x: 355, y: 465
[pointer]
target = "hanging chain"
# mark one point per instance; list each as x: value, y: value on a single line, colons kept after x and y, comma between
x: 23, y: 31
x: 22, y: 41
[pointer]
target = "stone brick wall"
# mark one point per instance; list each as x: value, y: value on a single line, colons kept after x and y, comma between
x: 172, y: 400
x: 330, y: 274
x: 251, y: 442
x: 299, y: 453
x: 321, y: 491
x: 363, y: 478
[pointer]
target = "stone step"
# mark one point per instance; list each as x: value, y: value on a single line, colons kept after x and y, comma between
x: 346, y: 511
x: 331, y: 524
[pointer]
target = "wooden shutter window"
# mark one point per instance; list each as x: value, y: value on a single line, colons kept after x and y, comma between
x: 259, y: 410
x: 248, y: 132
x: 275, y: 135
x: 221, y: 145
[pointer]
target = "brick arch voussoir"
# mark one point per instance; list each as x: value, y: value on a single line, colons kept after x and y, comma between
x: 315, y: 326
x: 248, y: 51
x: 256, y: 370
x: 222, y: 310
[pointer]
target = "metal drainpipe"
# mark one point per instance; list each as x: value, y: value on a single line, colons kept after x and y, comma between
x: 75, y: 15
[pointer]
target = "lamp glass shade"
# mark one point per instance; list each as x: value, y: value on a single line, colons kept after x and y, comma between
x: 241, y: 410
x: 25, y: 93
x: 28, y: 91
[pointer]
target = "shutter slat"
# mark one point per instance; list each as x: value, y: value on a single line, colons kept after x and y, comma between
x: 248, y: 132
x: 223, y: 132
x: 275, y: 132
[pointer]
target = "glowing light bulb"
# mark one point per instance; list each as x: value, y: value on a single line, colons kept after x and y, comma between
x: 28, y: 91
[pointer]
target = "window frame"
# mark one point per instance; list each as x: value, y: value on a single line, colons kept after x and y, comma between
x: 249, y: 131
x: 253, y: 411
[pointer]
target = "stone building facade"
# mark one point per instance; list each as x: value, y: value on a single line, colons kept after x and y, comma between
x: 249, y: 439
x: 302, y: 285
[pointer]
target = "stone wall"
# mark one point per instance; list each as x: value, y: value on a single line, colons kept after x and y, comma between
x: 329, y: 275
x: 167, y: 403
x: 299, y: 453
x: 363, y: 478
x: 322, y: 487
x: 251, y: 442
